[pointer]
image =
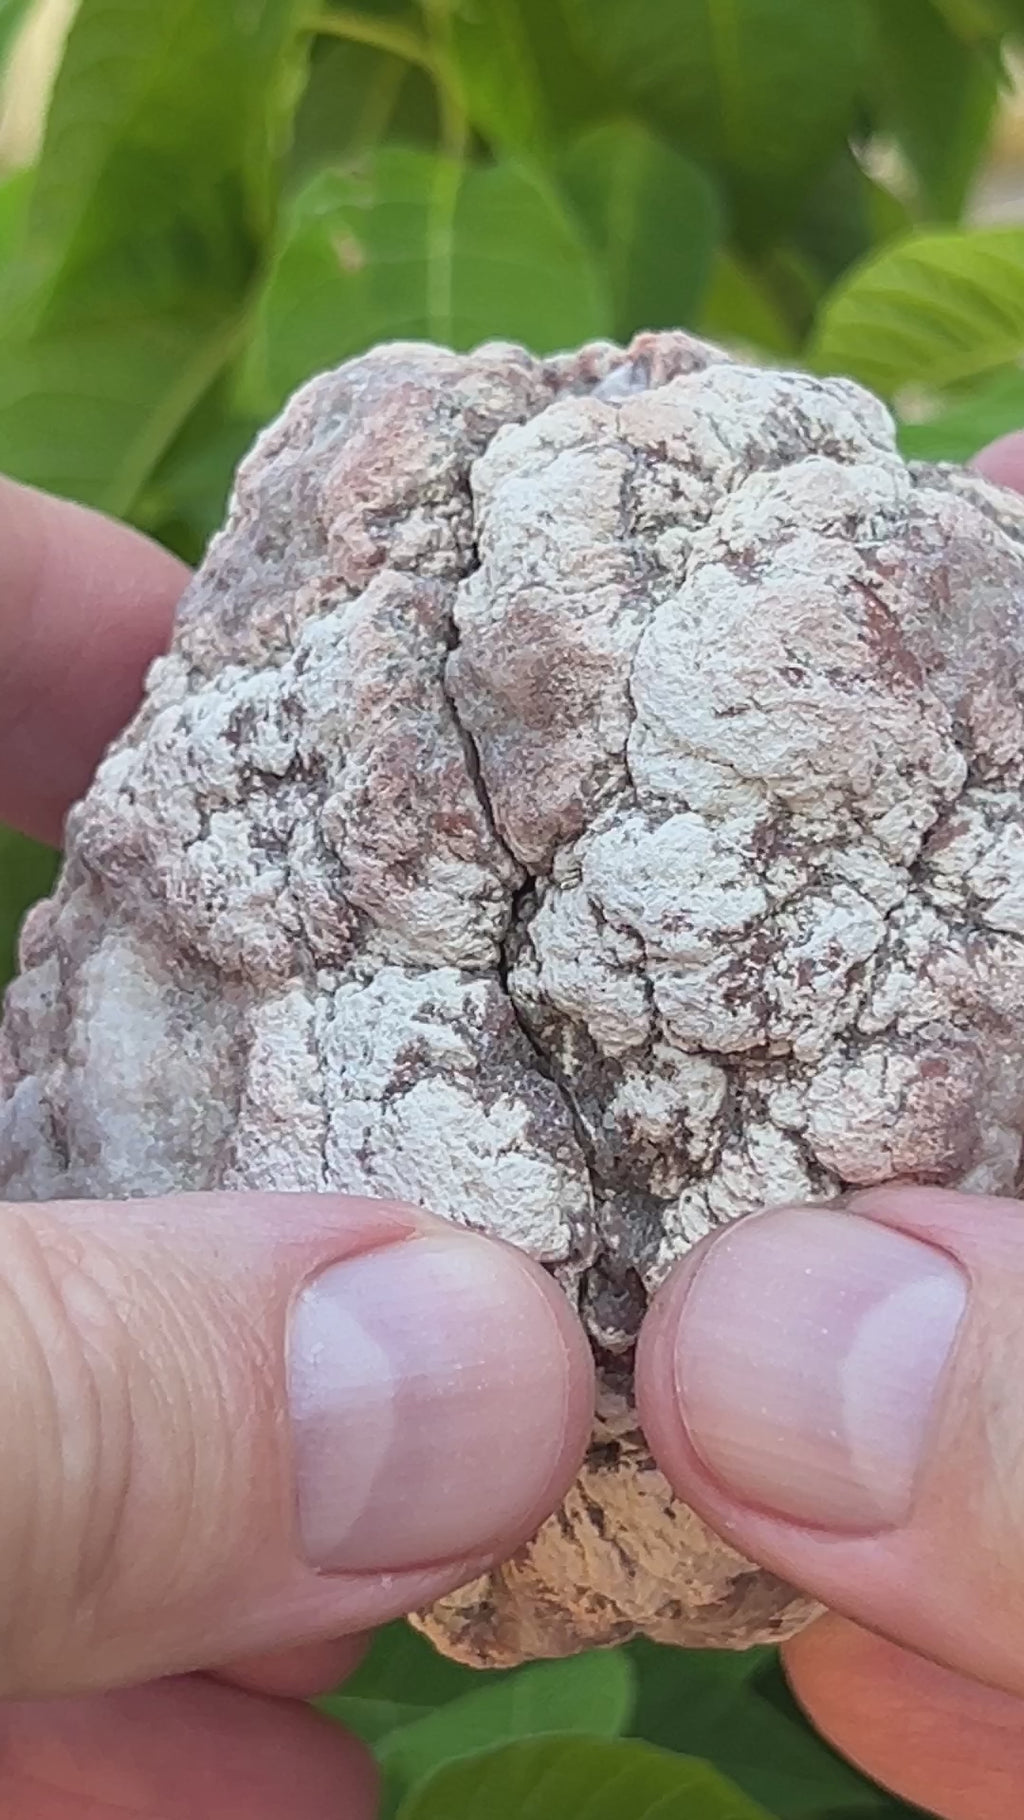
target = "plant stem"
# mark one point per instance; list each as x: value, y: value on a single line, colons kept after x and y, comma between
x: 381, y: 100
x: 430, y: 54
x: 454, y: 119
x: 378, y: 34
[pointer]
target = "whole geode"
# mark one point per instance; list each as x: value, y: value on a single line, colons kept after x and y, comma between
x: 583, y: 797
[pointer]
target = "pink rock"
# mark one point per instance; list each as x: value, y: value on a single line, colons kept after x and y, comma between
x: 583, y: 797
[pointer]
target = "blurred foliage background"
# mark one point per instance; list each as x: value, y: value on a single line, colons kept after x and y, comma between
x: 202, y: 202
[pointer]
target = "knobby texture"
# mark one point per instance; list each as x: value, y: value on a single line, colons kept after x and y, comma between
x: 583, y: 797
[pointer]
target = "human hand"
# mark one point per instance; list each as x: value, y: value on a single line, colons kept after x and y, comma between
x: 160, y: 1424
x: 839, y: 1394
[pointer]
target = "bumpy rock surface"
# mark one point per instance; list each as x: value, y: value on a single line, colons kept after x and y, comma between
x: 584, y: 797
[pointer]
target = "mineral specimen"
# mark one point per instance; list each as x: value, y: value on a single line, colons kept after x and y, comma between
x: 583, y: 797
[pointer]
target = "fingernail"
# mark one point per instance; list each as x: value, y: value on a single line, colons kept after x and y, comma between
x: 429, y: 1386
x: 809, y: 1362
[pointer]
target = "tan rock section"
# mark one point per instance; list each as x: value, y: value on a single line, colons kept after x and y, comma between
x: 583, y: 797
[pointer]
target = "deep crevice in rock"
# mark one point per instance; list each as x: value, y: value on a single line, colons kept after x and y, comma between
x: 515, y: 928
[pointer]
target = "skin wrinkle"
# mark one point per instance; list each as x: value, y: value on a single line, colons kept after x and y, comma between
x: 204, y: 1482
x: 27, y: 1532
x: 1002, y: 1490
x: 162, y: 1400
x: 130, y: 1410
x: 722, y: 880
x: 206, y: 1473
x: 253, y: 1537
x: 64, y: 1334
x: 98, y: 1325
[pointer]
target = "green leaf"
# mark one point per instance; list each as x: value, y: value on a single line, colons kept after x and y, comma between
x: 763, y: 89
x: 980, y: 21
x: 27, y: 871
x: 795, y: 283
x: 370, y: 1720
x: 653, y: 216
x: 957, y: 434
x: 14, y: 195
x: 585, y: 1778
x: 740, y: 311
x: 358, y: 95
x: 936, y: 310
x: 523, y: 82
x: 420, y: 246
x: 400, y: 1665
x: 936, y: 98
x: 889, y: 215
x: 590, y: 1694
x: 500, y: 80
x: 971, y: 19
x: 12, y: 12
x: 401, y: 1678
x: 736, y: 1711
x: 148, y: 216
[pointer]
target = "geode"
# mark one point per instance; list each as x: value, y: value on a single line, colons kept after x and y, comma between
x: 583, y: 797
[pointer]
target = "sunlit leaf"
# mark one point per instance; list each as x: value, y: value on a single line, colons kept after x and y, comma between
x: 146, y: 222
x: 585, y: 1778
x: 936, y: 310
x: 414, y: 246
x: 590, y: 1694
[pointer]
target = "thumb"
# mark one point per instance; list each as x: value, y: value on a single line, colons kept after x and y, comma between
x: 838, y: 1393
x: 229, y: 1424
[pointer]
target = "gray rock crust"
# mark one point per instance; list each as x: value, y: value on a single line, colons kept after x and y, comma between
x: 583, y: 797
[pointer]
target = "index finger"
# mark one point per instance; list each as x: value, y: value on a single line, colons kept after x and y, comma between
x: 85, y: 604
